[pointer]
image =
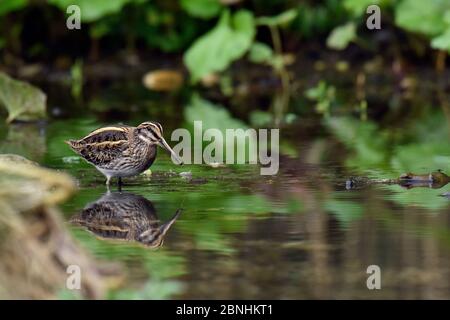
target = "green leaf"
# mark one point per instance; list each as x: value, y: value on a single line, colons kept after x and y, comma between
x: 260, y: 53
x: 22, y: 100
x: 281, y: 19
x: 7, y: 6
x: 447, y: 18
x: 92, y: 10
x: 216, y: 117
x: 341, y: 36
x: 212, y: 116
x: 442, y: 42
x: 204, y: 9
x: 425, y: 17
x: 226, y: 42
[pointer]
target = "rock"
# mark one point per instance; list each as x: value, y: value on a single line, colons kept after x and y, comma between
x: 33, y: 230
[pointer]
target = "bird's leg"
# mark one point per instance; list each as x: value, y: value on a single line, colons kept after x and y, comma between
x: 119, y: 183
x: 108, y: 178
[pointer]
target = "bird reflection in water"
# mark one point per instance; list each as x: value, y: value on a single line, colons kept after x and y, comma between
x: 124, y: 216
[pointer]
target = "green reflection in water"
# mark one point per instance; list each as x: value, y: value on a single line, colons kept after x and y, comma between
x: 270, y: 233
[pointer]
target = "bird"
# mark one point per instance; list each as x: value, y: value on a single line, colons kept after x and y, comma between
x: 121, y: 150
x: 124, y: 216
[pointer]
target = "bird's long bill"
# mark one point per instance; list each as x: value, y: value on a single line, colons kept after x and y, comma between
x: 163, y: 144
x: 166, y: 226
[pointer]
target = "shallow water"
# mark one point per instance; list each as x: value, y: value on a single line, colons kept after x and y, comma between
x: 299, y: 234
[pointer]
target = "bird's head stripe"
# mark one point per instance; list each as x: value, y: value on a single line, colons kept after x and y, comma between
x: 156, y: 127
x: 153, y: 129
x: 159, y: 127
x: 154, y: 133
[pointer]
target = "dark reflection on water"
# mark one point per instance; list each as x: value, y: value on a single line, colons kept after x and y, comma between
x: 124, y: 216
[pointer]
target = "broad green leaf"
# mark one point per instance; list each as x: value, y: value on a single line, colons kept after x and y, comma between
x: 447, y: 17
x: 22, y: 100
x: 226, y: 42
x: 216, y: 117
x: 425, y: 17
x: 260, y: 53
x: 281, y: 19
x: 341, y: 36
x: 92, y: 10
x: 204, y: 9
x: 212, y: 116
x: 7, y: 6
x: 442, y: 42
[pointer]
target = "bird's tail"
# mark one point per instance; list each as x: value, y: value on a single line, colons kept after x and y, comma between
x: 74, y: 144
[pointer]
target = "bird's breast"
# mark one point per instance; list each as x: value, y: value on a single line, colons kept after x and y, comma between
x: 145, y: 155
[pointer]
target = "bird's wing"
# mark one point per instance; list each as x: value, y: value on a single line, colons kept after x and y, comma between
x: 107, y: 134
x: 103, y: 145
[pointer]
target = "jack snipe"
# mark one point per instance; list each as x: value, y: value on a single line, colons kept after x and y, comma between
x: 124, y: 216
x: 122, y: 151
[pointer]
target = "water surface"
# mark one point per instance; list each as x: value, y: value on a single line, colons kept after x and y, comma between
x: 299, y: 234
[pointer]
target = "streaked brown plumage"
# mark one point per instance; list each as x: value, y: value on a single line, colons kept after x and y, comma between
x: 124, y: 216
x: 122, y: 151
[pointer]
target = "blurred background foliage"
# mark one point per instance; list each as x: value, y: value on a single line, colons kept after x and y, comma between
x: 231, y: 48
x: 229, y: 29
